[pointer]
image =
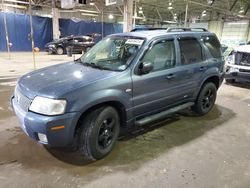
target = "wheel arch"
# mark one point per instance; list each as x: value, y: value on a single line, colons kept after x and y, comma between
x: 120, y: 108
x: 212, y: 78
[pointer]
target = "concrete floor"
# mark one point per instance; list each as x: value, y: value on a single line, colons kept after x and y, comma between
x: 185, y: 151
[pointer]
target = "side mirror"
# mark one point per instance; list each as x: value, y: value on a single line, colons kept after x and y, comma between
x: 146, y: 67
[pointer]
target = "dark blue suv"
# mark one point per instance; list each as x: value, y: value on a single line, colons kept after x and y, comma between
x: 128, y: 79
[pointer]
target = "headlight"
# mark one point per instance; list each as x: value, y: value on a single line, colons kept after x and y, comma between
x: 48, y: 106
x: 233, y: 69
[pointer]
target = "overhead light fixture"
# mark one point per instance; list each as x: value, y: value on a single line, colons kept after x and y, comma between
x: 170, y: 8
x: 89, y: 11
x: 210, y: 2
x: 140, y: 12
x: 204, y: 13
x: 170, y: 3
x: 92, y: 3
x: 111, y: 16
x: 241, y: 10
x: 87, y: 14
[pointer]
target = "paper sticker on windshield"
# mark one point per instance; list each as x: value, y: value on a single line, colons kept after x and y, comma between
x: 134, y: 41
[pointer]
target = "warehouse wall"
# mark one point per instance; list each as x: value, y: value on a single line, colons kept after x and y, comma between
x: 235, y: 33
x: 216, y: 27
x: 19, y: 30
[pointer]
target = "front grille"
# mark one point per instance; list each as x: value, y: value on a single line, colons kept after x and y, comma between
x: 23, y: 101
x: 242, y: 59
x: 244, y: 70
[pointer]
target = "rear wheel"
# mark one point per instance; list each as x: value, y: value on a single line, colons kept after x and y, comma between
x: 98, y: 133
x: 59, y: 51
x: 206, y: 99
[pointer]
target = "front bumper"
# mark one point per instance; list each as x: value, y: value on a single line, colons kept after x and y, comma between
x: 239, y: 74
x: 32, y: 124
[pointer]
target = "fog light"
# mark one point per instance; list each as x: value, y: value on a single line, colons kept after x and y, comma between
x: 42, y: 138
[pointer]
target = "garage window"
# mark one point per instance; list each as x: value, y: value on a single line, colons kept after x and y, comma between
x: 191, y: 51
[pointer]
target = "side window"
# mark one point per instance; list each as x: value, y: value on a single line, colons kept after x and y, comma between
x: 191, y: 51
x: 161, y: 55
x: 213, y: 46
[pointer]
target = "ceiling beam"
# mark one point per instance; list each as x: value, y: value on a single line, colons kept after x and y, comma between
x: 247, y: 9
x: 221, y: 10
x: 232, y: 6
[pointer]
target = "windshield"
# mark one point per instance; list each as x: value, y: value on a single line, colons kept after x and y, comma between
x: 113, y: 53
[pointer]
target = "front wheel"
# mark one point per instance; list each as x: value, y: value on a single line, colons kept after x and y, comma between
x: 98, y: 133
x: 59, y: 51
x: 206, y: 99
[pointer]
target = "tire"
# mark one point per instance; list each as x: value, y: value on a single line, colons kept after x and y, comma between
x: 98, y: 133
x: 206, y: 99
x: 231, y: 81
x: 59, y: 51
x: 50, y: 52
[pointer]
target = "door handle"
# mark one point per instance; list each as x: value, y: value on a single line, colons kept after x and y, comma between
x: 170, y: 76
x: 203, y: 68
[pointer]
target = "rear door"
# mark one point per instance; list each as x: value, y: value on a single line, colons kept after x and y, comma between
x: 193, y: 62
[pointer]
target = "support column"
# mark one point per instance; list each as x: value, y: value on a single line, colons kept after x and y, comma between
x: 128, y: 16
x: 186, y: 15
x: 55, y: 21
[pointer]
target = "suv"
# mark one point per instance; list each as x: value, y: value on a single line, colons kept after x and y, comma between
x: 238, y: 64
x: 128, y: 79
x: 79, y: 44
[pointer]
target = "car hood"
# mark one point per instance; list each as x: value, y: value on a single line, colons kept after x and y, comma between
x: 55, y: 81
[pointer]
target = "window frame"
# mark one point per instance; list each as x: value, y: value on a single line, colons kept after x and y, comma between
x: 203, y: 51
x: 149, y: 47
x: 205, y: 46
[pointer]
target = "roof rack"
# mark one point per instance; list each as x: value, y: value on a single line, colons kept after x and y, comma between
x: 171, y: 29
x: 147, y: 29
x: 181, y: 29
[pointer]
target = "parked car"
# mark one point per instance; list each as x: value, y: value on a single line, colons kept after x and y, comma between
x: 238, y: 64
x: 126, y: 80
x: 79, y: 44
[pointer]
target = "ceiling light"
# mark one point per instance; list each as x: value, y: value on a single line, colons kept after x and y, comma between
x: 170, y: 8
x: 170, y: 3
x: 140, y: 8
x: 111, y: 16
x: 241, y: 10
x: 87, y: 14
x: 92, y: 3
x: 140, y: 12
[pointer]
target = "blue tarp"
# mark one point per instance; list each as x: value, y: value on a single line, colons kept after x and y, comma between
x: 19, y: 30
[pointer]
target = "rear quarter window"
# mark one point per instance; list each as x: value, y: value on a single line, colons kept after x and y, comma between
x: 213, y: 45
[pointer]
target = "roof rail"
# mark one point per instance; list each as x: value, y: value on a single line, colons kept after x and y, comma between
x: 181, y: 29
x: 146, y: 29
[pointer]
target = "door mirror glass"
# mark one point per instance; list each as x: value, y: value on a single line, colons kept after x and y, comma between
x: 146, y: 67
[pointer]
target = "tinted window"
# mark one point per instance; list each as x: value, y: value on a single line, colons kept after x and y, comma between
x: 213, y: 46
x: 191, y: 51
x: 161, y: 55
